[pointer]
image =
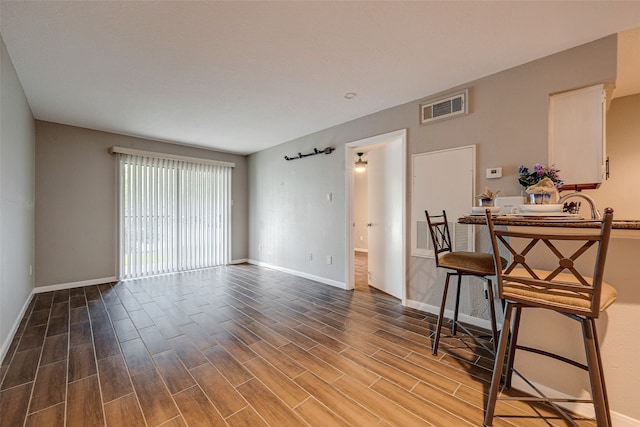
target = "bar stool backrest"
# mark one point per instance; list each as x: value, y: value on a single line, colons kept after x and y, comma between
x: 439, y: 231
x: 564, y: 288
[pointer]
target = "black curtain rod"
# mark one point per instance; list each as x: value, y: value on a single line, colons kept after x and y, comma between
x: 327, y: 150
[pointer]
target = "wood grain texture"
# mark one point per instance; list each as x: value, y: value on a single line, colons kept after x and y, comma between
x: 221, y: 393
x: 50, y: 387
x: 55, y: 349
x: 84, y: 406
x: 243, y: 346
x: 155, y: 400
x: 173, y: 372
x: 53, y: 416
x: 13, y: 405
x: 268, y: 405
x: 22, y: 369
x: 137, y: 357
x: 82, y: 362
x: 196, y: 408
x: 124, y: 411
x: 114, y: 378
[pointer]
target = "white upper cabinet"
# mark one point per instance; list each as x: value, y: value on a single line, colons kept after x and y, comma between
x: 577, y: 135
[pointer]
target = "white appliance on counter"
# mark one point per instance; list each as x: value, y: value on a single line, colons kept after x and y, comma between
x: 507, y: 203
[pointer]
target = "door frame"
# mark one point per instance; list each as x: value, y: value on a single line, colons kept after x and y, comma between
x: 350, y: 149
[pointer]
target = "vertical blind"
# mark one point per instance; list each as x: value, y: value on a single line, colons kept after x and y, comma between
x: 174, y: 215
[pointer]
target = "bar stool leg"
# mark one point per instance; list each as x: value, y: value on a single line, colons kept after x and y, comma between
x: 512, y: 346
x: 492, y: 311
x: 604, y: 387
x: 595, y: 373
x: 436, y: 339
x: 456, y: 309
x: 497, y: 368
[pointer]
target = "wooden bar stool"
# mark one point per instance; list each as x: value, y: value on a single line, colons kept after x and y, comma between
x: 459, y: 263
x: 564, y: 290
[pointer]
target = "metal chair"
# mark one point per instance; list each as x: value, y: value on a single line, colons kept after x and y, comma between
x: 564, y: 290
x: 459, y: 264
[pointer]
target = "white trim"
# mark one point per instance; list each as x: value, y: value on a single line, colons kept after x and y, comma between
x: 324, y: 280
x: 239, y: 261
x: 90, y: 282
x: 584, y: 409
x: 360, y: 250
x: 350, y: 148
x: 464, y: 318
x: 14, y: 328
x: 134, y: 152
x: 620, y: 420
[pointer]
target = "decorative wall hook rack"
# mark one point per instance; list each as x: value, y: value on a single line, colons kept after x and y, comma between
x: 327, y: 150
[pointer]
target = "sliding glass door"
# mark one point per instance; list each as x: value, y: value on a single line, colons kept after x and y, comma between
x: 174, y: 215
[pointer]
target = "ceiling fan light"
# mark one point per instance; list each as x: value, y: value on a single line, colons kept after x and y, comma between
x: 360, y: 165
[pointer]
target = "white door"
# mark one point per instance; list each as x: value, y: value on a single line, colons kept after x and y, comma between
x: 385, y: 204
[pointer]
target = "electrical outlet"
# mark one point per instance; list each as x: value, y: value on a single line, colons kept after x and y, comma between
x: 329, y: 260
x: 361, y: 238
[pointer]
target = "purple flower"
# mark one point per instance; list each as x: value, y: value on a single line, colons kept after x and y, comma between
x: 526, y: 178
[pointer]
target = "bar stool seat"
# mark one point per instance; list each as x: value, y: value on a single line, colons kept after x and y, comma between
x: 564, y: 290
x: 459, y: 264
x: 472, y: 262
x: 563, y: 300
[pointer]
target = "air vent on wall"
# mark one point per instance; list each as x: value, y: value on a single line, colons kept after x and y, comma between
x: 444, y: 108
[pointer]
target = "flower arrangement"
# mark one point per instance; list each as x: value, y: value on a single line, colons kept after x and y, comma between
x: 488, y: 194
x: 527, y: 179
x: 486, y: 198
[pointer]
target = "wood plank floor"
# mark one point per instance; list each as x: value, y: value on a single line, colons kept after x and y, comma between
x: 241, y: 346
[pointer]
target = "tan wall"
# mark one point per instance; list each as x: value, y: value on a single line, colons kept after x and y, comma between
x: 621, y: 191
x: 76, y: 194
x: 507, y: 122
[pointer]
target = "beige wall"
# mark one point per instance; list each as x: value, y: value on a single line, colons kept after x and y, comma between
x: 507, y: 122
x: 621, y: 191
x: 17, y: 146
x: 76, y: 194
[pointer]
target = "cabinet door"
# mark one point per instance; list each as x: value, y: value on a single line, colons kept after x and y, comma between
x: 577, y: 135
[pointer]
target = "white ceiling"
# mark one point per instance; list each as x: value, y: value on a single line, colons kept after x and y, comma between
x: 242, y: 76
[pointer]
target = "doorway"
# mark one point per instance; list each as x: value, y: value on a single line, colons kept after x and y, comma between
x: 386, y: 206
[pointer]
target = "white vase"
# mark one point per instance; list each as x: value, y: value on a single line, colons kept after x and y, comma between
x: 540, y: 199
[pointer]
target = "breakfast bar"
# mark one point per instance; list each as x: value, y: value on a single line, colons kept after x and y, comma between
x: 548, y: 221
x: 617, y: 327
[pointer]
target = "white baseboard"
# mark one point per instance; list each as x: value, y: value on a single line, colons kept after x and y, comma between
x: 584, y: 409
x: 618, y: 420
x: 14, y: 328
x: 464, y: 318
x: 90, y: 282
x: 360, y: 250
x: 324, y: 280
x: 239, y: 261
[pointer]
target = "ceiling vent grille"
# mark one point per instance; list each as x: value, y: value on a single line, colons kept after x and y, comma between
x: 444, y: 108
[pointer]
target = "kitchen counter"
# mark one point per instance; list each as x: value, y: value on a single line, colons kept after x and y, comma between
x: 617, y: 326
x: 533, y: 221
